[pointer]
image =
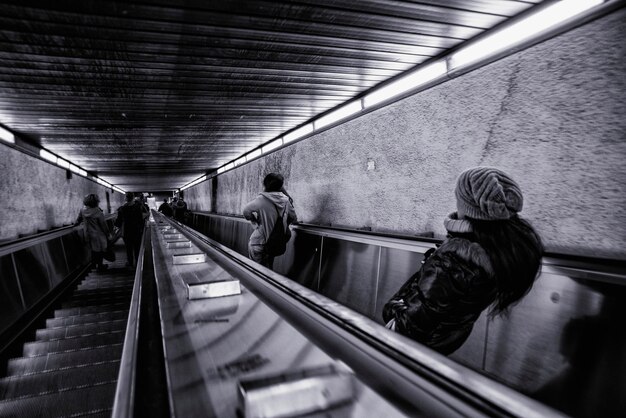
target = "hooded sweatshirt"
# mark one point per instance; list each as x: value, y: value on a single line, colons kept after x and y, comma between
x: 96, y: 229
x: 263, y: 212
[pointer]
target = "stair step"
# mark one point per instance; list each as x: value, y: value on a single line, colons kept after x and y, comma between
x: 38, y: 348
x: 53, y: 361
x: 106, y: 292
x: 109, y: 300
x: 87, y: 319
x: 48, y: 334
x: 110, y: 277
x: 58, y: 380
x: 85, y: 310
x: 99, y: 286
x: 112, y: 280
x: 77, y: 402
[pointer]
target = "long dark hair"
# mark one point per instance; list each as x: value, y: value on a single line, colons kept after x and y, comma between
x: 515, y: 251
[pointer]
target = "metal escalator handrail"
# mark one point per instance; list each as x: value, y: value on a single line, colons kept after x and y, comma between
x: 386, y: 360
x: 25, y: 242
x: 580, y: 267
x: 124, y: 403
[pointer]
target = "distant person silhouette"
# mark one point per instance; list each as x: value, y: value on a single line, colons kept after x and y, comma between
x: 130, y: 218
x: 96, y: 229
x: 166, y: 209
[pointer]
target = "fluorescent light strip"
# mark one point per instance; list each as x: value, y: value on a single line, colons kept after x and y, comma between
x: 82, y: 172
x: 496, y: 42
x: 62, y: 163
x: 7, y: 136
x: 47, y: 155
x: 229, y: 166
x: 240, y: 161
x: 272, y: 146
x: 408, y: 82
x: 253, y: 154
x: 298, y: 133
x: 196, y: 181
x: 517, y: 33
x: 74, y: 169
x: 338, y: 114
x: 102, y: 182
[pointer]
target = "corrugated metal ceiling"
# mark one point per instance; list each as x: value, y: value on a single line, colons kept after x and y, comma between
x: 152, y: 94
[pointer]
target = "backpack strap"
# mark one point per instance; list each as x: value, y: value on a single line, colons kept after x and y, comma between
x: 280, y: 215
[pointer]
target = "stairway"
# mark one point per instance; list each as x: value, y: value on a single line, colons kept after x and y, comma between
x: 71, y: 368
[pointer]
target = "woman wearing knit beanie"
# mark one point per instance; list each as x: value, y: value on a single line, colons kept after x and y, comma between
x: 491, y: 257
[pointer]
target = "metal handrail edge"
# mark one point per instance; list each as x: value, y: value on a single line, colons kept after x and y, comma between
x: 578, y: 267
x: 465, y: 380
x: 124, y: 401
x: 17, y: 244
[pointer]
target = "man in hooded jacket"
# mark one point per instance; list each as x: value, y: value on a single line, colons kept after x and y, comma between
x: 263, y: 212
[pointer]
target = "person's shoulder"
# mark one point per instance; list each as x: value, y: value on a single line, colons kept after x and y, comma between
x: 466, y: 250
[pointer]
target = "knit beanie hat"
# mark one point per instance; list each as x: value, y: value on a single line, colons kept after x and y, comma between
x: 487, y: 193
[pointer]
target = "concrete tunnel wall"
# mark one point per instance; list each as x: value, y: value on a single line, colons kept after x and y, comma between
x: 552, y: 116
x: 38, y: 196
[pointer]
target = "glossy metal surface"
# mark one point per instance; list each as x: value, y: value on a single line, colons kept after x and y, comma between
x: 428, y: 383
x: 124, y: 401
x: 211, y: 345
x: 31, y: 267
x: 348, y: 273
x: 152, y: 94
x: 537, y: 349
x: 11, y: 304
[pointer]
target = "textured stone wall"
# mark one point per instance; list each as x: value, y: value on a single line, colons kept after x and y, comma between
x: 552, y: 116
x: 38, y: 196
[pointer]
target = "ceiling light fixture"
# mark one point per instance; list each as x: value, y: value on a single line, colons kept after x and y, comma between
x: 7, y: 136
x: 338, y: 114
x: 408, y: 82
x: 517, y: 33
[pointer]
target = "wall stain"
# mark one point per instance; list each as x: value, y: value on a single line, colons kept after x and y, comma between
x: 505, y: 103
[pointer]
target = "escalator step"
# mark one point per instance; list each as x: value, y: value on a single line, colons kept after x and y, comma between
x: 79, y: 329
x: 101, y: 293
x: 86, y: 319
x: 72, y: 344
x: 54, y: 381
x: 108, y: 277
x: 83, y: 310
x: 92, y: 302
x: 112, y: 287
x: 118, y: 288
x: 53, y: 361
x: 77, y: 402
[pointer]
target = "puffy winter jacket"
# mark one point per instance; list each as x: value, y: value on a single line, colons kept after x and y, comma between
x: 439, y: 304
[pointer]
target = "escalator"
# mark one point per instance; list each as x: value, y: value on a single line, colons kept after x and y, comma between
x: 72, y: 365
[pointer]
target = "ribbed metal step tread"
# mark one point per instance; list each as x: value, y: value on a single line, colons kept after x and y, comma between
x: 112, y: 279
x: 58, y: 380
x: 72, y: 403
x: 84, y: 310
x: 38, y: 348
x: 23, y: 365
x: 104, y: 277
x: 102, y: 290
x: 87, y: 319
x: 50, y: 333
x: 77, y: 303
x: 103, y: 286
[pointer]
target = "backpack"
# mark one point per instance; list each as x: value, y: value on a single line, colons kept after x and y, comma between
x: 276, y: 243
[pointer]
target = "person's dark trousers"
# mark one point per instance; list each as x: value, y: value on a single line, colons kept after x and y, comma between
x: 132, y: 243
x: 96, y: 258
